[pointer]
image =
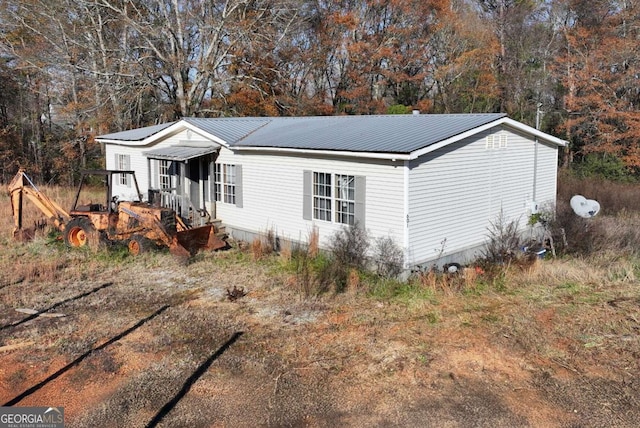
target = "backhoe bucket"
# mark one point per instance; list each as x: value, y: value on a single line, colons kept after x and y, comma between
x: 200, y: 238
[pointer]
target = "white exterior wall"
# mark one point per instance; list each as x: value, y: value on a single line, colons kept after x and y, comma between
x: 272, y: 194
x: 456, y: 192
x: 137, y: 163
x: 140, y: 163
x: 547, y: 175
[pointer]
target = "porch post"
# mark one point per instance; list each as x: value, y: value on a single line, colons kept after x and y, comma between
x: 183, y: 195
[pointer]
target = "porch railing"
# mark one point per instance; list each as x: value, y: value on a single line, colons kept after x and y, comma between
x: 181, y: 204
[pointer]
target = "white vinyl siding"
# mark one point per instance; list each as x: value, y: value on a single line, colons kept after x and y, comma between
x: 546, y: 175
x: 455, y: 193
x: 124, y: 192
x: 274, y: 194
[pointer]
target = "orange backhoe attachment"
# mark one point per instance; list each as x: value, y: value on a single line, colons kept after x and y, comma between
x: 200, y: 238
x: 21, y: 186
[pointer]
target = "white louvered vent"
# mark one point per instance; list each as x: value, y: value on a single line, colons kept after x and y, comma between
x: 493, y: 142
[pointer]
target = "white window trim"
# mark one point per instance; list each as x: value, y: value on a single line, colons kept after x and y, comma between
x: 123, y: 163
x: 345, y: 197
x: 322, y: 195
x: 225, y: 184
x: 164, y: 174
x: 334, y: 212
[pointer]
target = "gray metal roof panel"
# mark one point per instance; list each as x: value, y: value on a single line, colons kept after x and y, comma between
x: 138, y: 134
x: 230, y: 129
x: 180, y: 153
x: 381, y: 134
x: 375, y: 134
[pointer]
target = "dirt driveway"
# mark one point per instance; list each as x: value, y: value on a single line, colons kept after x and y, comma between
x: 156, y: 342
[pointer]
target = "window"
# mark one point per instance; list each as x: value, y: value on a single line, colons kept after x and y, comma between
x: 164, y: 174
x: 123, y: 163
x: 226, y: 183
x: 322, y: 196
x: 345, y: 199
x: 332, y: 197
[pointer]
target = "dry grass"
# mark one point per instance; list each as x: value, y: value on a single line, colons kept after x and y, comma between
x: 313, y: 242
x: 63, y: 196
x: 428, y: 341
x: 263, y: 245
x: 286, y: 250
x: 542, y: 343
x: 613, y: 197
x: 257, y: 248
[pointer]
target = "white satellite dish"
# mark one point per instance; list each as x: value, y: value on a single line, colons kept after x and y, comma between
x: 585, y: 208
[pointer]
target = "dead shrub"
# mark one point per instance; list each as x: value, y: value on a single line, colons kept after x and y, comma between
x: 348, y: 248
x: 353, y: 281
x: 314, y: 242
x: 572, y: 234
x: 264, y: 244
x: 620, y: 233
x: 466, y: 278
x: 504, y: 241
x: 388, y: 257
x: 285, y: 250
x: 235, y: 293
x: 470, y: 277
x: 428, y: 279
x: 257, y: 251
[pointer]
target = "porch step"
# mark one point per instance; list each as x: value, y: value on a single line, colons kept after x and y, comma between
x: 219, y: 228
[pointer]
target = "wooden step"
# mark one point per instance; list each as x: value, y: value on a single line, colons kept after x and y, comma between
x: 219, y: 228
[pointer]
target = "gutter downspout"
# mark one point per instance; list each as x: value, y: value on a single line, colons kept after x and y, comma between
x: 535, y: 156
x: 407, y: 250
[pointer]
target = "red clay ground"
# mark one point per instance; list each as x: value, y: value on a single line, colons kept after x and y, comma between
x: 554, y: 355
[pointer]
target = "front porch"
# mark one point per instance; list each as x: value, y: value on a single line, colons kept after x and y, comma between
x: 181, y: 178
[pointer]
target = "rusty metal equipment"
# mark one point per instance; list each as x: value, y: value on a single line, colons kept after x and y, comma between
x: 139, y: 224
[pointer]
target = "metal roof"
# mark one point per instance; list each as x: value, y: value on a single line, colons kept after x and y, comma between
x: 366, y: 134
x: 378, y: 134
x: 181, y: 153
x: 138, y: 134
x: 229, y: 129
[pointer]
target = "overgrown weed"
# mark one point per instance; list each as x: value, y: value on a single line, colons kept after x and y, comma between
x: 389, y: 289
x: 614, y: 196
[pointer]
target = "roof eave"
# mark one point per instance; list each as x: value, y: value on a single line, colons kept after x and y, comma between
x: 502, y: 121
x: 339, y: 153
x: 173, y: 129
x: 536, y: 132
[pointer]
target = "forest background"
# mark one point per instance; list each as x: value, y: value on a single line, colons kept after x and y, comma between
x: 74, y: 69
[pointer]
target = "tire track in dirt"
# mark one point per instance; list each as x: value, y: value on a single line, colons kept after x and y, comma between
x: 82, y: 357
x: 202, y: 368
x: 55, y: 305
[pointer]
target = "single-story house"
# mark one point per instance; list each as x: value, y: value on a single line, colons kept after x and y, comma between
x: 432, y: 183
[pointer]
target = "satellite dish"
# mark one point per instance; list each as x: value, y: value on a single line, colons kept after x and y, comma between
x: 585, y: 208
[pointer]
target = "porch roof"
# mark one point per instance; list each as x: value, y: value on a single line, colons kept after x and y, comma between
x: 181, y: 153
